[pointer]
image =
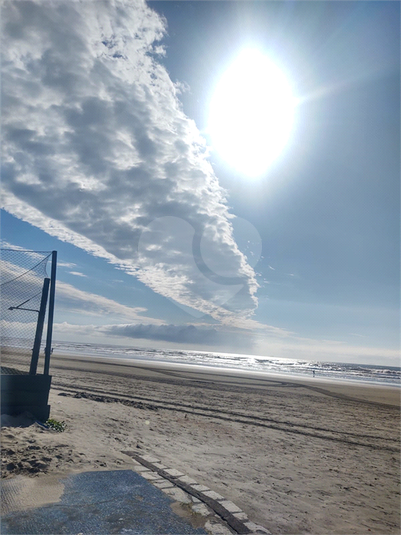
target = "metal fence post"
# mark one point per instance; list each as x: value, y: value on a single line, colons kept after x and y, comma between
x: 48, y: 348
x: 39, y: 328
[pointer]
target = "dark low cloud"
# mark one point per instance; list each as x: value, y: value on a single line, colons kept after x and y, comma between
x: 181, y: 334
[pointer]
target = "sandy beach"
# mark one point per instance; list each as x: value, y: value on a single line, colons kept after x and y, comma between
x: 298, y: 456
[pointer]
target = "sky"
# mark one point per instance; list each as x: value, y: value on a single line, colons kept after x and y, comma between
x: 216, y: 176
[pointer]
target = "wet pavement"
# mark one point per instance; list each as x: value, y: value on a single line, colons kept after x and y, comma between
x: 150, y: 499
x: 119, y: 501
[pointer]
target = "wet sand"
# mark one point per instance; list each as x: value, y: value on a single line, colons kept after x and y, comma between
x: 298, y: 456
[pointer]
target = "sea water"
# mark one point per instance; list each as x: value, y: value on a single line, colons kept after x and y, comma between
x: 385, y: 375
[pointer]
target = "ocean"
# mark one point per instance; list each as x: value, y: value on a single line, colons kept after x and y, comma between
x: 385, y: 375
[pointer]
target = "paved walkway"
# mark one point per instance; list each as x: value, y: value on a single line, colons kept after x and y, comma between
x: 150, y: 499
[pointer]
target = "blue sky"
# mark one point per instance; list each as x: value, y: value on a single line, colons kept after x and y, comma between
x: 109, y: 158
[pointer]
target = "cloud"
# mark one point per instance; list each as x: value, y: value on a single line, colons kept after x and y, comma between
x: 17, y: 259
x: 65, y: 331
x: 70, y: 299
x: 198, y: 335
x: 66, y: 264
x: 77, y: 273
x: 98, y: 152
x: 22, y: 283
x: 190, y: 335
x: 21, y: 290
x: 182, y: 334
x: 358, y: 335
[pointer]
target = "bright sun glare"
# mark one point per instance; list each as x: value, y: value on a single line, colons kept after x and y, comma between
x: 251, y: 113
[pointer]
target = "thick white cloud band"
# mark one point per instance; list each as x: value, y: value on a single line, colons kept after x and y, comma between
x: 98, y: 151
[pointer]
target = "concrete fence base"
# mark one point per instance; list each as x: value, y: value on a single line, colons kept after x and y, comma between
x: 26, y: 393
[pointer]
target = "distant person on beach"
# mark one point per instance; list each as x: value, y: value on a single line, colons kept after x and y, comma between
x: 313, y: 373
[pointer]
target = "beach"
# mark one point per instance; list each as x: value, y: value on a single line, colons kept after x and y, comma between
x: 298, y: 456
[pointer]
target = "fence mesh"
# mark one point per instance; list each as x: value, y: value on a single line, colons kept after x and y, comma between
x: 22, y: 274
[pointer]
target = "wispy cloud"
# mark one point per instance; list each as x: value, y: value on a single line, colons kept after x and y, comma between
x: 70, y: 299
x: 98, y: 152
x: 77, y: 273
x: 66, y: 264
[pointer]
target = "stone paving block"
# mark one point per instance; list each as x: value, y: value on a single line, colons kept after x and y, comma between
x: 189, y: 480
x: 200, y: 488
x: 174, y: 473
x: 160, y: 465
x: 163, y: 484
x: 230, y: 506
x: 241, y: 516
x: 150, y: 475
x: 257, y: 529
x: 213, y: 495
x: 140, y: 468
x: 178, y: 494
x: 195, y: 500
x: 201, y: 509
x: 150, y: 459
x: 216, y: 528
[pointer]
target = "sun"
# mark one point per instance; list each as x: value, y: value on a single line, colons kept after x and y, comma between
x: 251, y: 113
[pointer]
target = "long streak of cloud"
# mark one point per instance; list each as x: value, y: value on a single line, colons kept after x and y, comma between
x: 97, y: 150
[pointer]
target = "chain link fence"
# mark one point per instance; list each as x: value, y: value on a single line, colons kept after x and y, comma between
x: 22, y: 279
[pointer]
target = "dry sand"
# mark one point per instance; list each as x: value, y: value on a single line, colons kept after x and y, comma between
x: 297, y: 456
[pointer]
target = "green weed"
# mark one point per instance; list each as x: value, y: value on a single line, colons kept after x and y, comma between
x: 56, y: 425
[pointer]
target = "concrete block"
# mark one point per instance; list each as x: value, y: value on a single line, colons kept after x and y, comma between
x: 150, y: 459
x: 140, y: 468
x: 174, y: 473
x: 151, y: 476
x: 213, y: 495
x: 160, y: 466
x: 260, y: 530
x: 200, y: 488
x: 241, y: 516
x: 162, y: 484
x: 189, y: 480
x: 230, y: 506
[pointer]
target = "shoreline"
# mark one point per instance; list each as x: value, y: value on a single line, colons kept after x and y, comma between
x: 322, y: 375
x: 369, y: 391
x: 227, y: 368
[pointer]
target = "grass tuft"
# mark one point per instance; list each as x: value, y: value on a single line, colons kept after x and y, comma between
x: 56, y: 425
